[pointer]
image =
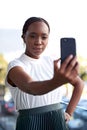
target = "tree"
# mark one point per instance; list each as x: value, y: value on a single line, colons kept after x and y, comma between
x: 3, y: 68
x: 83, y: 68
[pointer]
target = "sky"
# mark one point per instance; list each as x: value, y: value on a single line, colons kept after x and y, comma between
x: 67, y: 18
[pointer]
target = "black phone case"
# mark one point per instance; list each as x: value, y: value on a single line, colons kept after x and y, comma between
x: 68, y: 46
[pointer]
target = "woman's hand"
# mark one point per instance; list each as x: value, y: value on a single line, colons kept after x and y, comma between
x: 67, y: 117
x: 67, y: 72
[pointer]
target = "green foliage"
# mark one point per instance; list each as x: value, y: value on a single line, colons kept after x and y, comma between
x: 3, y: 68
x: 83, y: 68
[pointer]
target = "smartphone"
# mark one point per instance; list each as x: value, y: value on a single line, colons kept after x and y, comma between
x: 67, y: 46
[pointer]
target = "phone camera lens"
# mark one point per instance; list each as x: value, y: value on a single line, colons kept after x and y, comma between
x: 65, y: 40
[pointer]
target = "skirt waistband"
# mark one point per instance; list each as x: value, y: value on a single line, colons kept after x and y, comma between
x: 41, y: 109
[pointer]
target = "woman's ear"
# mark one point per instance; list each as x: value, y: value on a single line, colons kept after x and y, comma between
x: 23, y: 37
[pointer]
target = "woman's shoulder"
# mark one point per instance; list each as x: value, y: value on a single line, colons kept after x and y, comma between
x: 15, y: 62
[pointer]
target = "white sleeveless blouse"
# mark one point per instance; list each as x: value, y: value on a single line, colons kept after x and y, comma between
x: 39, y: 69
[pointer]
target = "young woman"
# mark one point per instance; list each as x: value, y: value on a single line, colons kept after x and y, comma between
x: 36, y: 82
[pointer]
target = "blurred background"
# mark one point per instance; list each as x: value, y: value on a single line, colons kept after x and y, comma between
x: 67, y: 19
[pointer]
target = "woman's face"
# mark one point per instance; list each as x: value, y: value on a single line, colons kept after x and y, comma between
x: 36, y: 39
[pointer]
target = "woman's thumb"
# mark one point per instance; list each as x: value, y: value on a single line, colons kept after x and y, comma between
x: 56, y: 64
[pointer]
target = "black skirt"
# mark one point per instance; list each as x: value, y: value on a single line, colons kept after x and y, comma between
x: 49, y: 117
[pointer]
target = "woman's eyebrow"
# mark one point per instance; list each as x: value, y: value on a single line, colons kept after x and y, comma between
x: 36, y: 33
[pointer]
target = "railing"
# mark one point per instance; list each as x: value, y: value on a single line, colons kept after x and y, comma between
x: 79, y: 107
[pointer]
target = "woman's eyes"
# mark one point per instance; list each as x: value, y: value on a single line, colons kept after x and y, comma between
x: 32, y: 36
x: 42, y: 37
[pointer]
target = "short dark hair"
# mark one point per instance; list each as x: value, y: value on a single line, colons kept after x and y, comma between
x: 32, y: 20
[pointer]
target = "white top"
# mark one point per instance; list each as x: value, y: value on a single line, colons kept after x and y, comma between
x: 39, y: 69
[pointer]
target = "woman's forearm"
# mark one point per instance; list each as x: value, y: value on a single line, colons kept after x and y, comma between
x: 40, y: 87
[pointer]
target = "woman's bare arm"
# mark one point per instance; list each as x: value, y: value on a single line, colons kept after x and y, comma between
x: 76, y: 95
x: 64, y: 74
x: 18, y: 77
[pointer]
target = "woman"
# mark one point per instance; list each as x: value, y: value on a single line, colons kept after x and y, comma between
x: 36, y: 82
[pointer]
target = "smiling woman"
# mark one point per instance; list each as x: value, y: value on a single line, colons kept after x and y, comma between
x: 35, y: 36
x: 35, y: 81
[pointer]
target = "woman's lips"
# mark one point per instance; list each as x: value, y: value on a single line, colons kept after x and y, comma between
x: 38, y: 49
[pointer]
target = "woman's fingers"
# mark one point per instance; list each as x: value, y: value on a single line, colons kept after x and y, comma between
x: 66, y: 62
x: 67, y: 117
x: 68, y: 70
x: 72, y: 64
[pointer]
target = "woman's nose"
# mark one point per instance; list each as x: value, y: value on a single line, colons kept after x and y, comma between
x: 38, y: 40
